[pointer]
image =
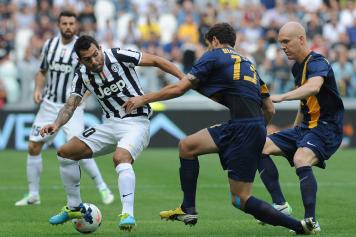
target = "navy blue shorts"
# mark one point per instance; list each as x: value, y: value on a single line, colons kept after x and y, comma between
x: 322, y: 140
x: 240, y: 144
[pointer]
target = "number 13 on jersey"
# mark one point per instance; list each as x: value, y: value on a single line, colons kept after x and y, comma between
x: 237, y: 70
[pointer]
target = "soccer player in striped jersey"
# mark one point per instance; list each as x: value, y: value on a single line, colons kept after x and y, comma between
x: 111, y: 77
x: 56, y: 72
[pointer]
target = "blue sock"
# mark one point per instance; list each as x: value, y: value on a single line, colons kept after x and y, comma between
x: 267, y: 213
x: 189, y: 171
x: 308, y: 189
x: 269, y: 176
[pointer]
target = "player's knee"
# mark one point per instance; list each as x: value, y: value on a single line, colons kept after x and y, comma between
x: 34, y: 148
x: 122, y: 157
x: 65, y: 161
x: 300, y: 161
x: 269, y: 147
x: 185, y: 150
x: 63, y: 152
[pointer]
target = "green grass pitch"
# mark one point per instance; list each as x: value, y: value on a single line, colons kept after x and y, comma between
x: 158, y: 189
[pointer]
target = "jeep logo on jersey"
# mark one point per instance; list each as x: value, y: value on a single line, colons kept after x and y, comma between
x: 108, y: 90
x: 59, y: 67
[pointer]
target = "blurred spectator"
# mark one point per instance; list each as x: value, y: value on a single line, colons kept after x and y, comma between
x: 44, y: 10
x: 281, y: 73
x: 348, y: 13
x: 149, y: 29
x: 332, y: 29
x: 175, y: 44
x: 205, y: 24
x: 351, y: 31
x: 188, y: 31
x: 187, y: 8
x: 8, y: 75
x: 277, y: 15
x: 343, y: 72
x: 313, y: 26
x: 176, y: 29
x: 227, y: 13
x: 319, y: 45
x: 87, y: 19
x: 27, y: 69
x: 310, y: 5
x: 24, y: 17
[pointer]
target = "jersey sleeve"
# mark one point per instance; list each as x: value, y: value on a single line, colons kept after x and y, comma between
x: 318, y: 67
x: 263, y: 88
x: 78, y: 86
x: 43, y: 58
x: 202, y: 68
x: 130, y: 57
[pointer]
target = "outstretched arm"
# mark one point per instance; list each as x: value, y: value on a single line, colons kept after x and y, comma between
x: 162, y: 63
x: 63, y: 116
x: 166, y: 93
x: 311, y: 87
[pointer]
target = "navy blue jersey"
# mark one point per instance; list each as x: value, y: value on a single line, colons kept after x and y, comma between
x: 325, y: 107
x: 224, y: 76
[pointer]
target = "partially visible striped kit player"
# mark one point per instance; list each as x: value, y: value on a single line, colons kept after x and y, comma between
x: 59, y: 61
x: 111, y: 77
x: 114, y: 85
x: 53, y: 87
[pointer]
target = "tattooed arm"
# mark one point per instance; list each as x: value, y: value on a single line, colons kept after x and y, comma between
x: 63, y: 116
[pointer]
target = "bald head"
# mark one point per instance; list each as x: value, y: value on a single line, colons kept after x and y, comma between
x: 293, y: 29
x: 293, y: 40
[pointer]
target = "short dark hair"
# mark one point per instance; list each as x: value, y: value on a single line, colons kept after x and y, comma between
x: 83, y: 43
x: 223, y: 32
x: 68, y: 14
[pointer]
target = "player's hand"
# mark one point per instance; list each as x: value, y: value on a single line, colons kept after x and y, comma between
x: 276, y: 98
x: 133, y: 103
x: 49, y: 129
x: 37, y: 96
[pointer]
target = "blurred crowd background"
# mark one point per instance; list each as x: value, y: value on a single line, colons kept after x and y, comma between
x: 175, y: 30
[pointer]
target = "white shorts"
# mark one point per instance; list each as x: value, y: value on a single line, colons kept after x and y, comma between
x: 131, y: 133
x: 47, y: 114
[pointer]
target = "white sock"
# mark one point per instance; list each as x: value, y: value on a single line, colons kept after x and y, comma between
x: 126, y: 183
x: 70, y: 174
x: 34, y: 169
x: 90, y: 166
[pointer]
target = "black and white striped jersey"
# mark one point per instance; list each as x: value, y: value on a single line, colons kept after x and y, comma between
x: 114, y: 85
x: 60, y: 62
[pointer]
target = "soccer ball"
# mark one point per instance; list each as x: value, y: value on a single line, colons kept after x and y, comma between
x: 84, y: 226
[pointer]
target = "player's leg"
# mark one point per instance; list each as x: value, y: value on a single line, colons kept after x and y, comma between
x: 45, y: 115
x: 126, y: 183
x: 33, y: 170
x: 243, y: 200
x: 189, y: 149
x: 75, y: 124
x: 281, y: 143
x: 270, y: 176
x: 304, y: 159
x: 92, y: 169
x: 133, y: 136
x: 316, y: 146
x: 68, y: 156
